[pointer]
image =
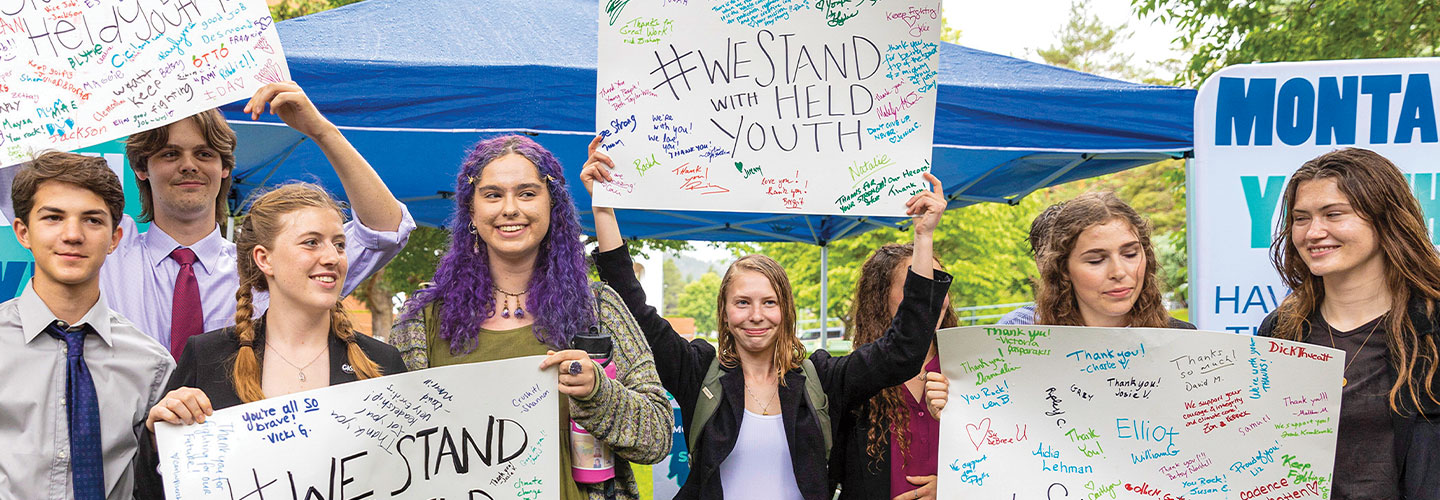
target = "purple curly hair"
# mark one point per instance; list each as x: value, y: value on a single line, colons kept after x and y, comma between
x: 559, y: 297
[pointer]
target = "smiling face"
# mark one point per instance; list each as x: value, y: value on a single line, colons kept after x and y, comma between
x: 69, y: 230
x: 753, y: 312
x: 1107, y: 271
x: 306, y: 263
x: 185, y: 175
x: 1333, y: 240
x: 511, y: 209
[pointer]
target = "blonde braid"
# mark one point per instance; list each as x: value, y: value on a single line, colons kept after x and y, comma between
x: 365, y: 368
x: 246, y: 372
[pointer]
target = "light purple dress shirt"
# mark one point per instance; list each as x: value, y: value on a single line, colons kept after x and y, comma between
x: 138, y: 278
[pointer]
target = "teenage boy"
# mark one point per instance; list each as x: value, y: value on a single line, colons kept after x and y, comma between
x: 178, y: 279
x: 78, y: 378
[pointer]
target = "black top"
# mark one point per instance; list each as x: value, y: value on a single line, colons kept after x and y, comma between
x: 848, y: 381
x: 207, y: 363
x: 1414, y: 436
x: 208, y: 359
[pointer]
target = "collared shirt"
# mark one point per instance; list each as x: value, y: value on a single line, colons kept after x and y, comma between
x: 129, y: 369
x: 923, y: 457
x: 139, y: 276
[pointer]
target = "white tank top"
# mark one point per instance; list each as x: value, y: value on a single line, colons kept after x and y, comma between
x: 759, y: 466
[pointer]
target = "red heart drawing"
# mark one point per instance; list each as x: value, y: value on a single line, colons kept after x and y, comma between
x: 983, y: 426
x: 1315, y: 487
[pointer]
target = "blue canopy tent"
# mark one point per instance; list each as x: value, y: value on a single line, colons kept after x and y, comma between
x: 414, y: 83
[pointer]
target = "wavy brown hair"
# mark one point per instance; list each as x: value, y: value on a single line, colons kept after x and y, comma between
x: 260, y: 227
x: 1379, y: 194
x: 142, y: 145
x: 870, y: 315
x: 789, y: 352
x: 1055, y: 301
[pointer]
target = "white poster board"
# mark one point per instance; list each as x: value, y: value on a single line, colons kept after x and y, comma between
x: 75, y: 73
x: 1071, y: 412
x: 473, y: 431
x: 1254, y: 126
x: 786, y: 106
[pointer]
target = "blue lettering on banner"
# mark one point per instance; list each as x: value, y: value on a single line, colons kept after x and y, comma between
x: 12, y: 277
x: 1256, y: 111
x: 1262, y: 203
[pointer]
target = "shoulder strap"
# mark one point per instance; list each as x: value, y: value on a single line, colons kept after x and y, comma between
x: 819, y: 402
x: 706, y: 404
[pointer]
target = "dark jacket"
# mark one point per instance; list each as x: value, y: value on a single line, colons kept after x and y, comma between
x: 848, y: 380
x: 206, y: 364
x: 1417, y: 433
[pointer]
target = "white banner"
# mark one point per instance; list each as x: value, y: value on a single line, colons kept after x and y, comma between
x: 786, y: 106
x: 1070, y: 412
x: 1255, y: 124
x: 436, y: 433
x: 80, y: 72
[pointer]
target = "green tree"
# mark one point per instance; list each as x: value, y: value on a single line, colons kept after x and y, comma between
x: 295, y: 8
x: 1087, y: 44
x: 414, y: 265
x: 698, y: 301
x: 948, y: 33
x: 1224, y: 32
x: 673, y: 284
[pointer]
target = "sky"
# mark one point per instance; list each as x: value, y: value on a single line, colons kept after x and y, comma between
x: 1018, y: 27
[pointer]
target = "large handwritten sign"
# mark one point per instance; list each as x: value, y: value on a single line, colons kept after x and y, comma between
x: 790, y: 106
x: 434, y: 433
x: 1066, y: 412
x: 79, y: 72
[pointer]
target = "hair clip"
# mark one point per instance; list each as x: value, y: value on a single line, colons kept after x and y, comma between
x: 470, y: 180
x: 549, y: 178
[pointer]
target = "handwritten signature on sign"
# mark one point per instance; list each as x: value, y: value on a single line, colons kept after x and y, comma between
x: 697, y: 178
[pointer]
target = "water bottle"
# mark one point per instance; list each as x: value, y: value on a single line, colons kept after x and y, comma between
x: 591, y: 460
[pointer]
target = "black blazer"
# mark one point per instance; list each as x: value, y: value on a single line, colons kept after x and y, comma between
x: 206, y: 364
x: 208, y: 358
x: 847, y: 380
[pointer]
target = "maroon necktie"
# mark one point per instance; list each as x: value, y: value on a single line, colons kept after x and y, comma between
x: 186, y: 316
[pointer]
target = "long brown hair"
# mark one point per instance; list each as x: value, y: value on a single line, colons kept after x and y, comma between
x: 1055, y: 301
x: 1379, y: 194
x: 142, y: 145
x: 789, y: 352
x: 259, y: 228
x: 870, y: 315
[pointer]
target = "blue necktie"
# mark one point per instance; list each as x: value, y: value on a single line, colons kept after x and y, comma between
x: 83, y: 413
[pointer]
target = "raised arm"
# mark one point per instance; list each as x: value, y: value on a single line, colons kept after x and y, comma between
x: 598, y: 166
x: 897, y: 355
x: 371, y: 200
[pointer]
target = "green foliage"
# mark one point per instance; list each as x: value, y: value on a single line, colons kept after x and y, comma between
x: 698, y: 301
x: 673, y: 285
x: 948, y: 33
x: 1088, y: 44
x: 1224, y: 32
x: 415, y: 264
x: 295, y: 8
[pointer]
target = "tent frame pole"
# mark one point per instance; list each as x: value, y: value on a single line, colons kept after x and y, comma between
x: 824, y: 292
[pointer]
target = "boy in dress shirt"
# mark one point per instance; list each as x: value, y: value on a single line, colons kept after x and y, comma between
x: 78, y: 378
x: 178, y: 279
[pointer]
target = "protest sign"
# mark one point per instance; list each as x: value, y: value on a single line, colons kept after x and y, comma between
x: 787, y: 106
x: 433, y: 433
x: 1071, y: 412
x: 1255, y: 124
x: 81, y: 72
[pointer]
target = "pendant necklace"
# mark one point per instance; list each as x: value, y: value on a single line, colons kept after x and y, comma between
x: 300, y: 368
x: 1345, y: 379
x: 519, y: 311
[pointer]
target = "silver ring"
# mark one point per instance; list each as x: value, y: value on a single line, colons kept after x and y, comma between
x: 575, y: 368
